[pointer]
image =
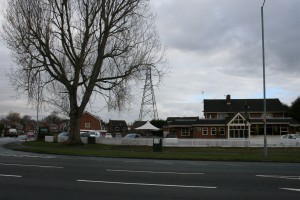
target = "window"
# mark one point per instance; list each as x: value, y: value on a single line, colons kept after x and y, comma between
x: 87, y: 125
x: 204, y: 131
x: 213, y: 131
x: 238, y: 131
x: 238, y: 120
x: 117, y: 128
x: 197, y: 128
x: 283, y: 130
x: 185, y: 132
x: 222, y: 131
x: 222, y: 115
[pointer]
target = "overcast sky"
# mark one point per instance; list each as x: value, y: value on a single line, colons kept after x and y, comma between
x: 213, y: 48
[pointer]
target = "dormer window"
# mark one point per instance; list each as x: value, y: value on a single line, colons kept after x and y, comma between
x: 222, y: 115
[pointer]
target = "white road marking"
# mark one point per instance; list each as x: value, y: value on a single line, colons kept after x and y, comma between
x: 26, y: 156
x: 131, y: 161
x: 232, y: 165
x: 281, y: 177
x: 14, y: 176
x: 161, y: 162
x: 22, y: 165
x: 149, y: 184
x: 200, y: 164
x: 291, y: 189
x: 152, y: 172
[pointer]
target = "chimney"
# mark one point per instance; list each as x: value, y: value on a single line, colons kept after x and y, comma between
x: 228, y: 99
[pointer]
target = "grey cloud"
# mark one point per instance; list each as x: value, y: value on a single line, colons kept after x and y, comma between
x: 211, y: 26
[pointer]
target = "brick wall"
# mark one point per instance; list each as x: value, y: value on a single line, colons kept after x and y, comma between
x: 89, y: 122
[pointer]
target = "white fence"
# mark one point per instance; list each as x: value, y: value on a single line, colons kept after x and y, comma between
x: 120, y: 141
x: 272, y: 141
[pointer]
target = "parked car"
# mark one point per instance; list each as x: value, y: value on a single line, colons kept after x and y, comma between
x: 132, y: 136
x: 94, y: 134
x: 171, y: 135
x: 108, y: 135
x: 62, y: 136
x: 171, y: 138
x: 12, y: 132
x: 30, y: 135
x: 84, y: 134
x: 290, y: 140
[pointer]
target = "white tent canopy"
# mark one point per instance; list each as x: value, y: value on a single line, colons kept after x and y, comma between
x: 148, y: 126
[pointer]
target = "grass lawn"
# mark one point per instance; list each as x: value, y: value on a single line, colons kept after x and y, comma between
x: 182, y: 153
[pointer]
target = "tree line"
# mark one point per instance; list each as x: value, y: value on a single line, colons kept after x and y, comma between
x: 23, y: 120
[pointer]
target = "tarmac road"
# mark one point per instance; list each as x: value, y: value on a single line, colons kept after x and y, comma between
x: 38, y: 176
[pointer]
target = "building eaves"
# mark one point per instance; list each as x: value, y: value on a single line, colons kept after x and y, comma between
x: 202, y: 122
x: 275, y: 121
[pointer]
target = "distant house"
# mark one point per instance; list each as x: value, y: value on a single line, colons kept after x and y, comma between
x: 49, y: 127
x: 117, y: 126
x: 234, y: 118
x: 90, y: 122
x: 53, y: 128
x: 30, y: 127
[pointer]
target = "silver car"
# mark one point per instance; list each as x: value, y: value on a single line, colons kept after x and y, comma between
x: 132, y: 136
x: 290, y: 140
x: 63, y: 136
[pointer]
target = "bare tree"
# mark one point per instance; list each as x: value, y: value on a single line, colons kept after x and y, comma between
x: 53, y: 118
x: 13, y: 117
x: 73, y: 49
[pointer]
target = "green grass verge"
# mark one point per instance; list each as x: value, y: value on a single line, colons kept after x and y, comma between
x: 182, y: 153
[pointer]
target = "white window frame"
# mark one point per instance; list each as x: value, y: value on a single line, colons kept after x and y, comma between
x: 222, y: 131
x: 204, y: 131
x: 284, y: 130
x: 87, y: 125
x: 185, y: 132
x: 213, y: 131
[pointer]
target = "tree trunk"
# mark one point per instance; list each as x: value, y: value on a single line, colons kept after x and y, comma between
x: 74, y: 132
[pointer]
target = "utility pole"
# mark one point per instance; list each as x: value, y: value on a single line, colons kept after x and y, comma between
x: 148, y: 105
x: 38, y: 107
x: 264, y: 81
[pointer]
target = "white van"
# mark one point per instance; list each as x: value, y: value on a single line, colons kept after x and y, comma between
x: 12, y: 132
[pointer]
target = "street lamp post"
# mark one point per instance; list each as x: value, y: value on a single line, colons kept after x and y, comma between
x: 264, y: 81
x: 37, y: 108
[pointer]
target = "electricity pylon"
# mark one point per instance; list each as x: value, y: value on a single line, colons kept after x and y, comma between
x: 148, y: 105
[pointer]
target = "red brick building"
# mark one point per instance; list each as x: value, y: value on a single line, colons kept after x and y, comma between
x: 90, y: 122
x: 234, y: 118
x: 117, y: 126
